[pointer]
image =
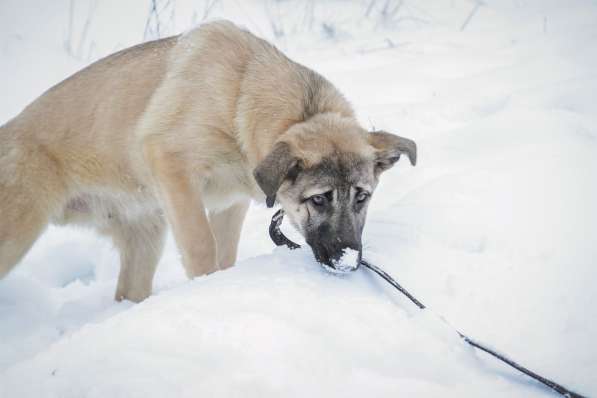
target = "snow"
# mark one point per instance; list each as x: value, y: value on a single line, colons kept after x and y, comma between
x: 494, y: 229
x: 349, y: 261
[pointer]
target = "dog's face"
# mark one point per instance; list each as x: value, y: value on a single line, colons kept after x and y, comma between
x: 324, y: 181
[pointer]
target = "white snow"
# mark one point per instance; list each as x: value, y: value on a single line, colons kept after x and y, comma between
x: 349, y: 261
x: 494, y: 228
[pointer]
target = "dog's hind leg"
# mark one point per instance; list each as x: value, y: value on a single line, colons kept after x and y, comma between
x: 20, y: 226
x: 226, y: 226
x: 30, y: 189
x: 140, y: 245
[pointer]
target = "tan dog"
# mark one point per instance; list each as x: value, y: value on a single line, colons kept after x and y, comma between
x: 186, y: 130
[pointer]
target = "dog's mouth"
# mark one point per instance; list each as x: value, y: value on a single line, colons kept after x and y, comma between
x: 347, y: 262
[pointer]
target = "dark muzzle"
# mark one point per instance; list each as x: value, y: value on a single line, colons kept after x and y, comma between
x: 336, y: 258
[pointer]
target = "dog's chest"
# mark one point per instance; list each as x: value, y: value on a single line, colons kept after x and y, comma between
x: 227, y: 183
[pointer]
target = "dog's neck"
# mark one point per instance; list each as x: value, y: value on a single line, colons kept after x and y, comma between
x: 306, y: 97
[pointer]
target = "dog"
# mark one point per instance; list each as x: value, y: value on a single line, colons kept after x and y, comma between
x: 185, y: 131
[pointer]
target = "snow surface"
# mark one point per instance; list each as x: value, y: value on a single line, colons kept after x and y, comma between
x: 494, y: 229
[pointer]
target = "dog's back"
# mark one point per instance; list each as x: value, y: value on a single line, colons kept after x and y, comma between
x: 71, y: 138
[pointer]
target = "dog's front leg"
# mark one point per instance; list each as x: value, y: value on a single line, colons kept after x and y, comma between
x: 182, y: 201
x: 227, y: 226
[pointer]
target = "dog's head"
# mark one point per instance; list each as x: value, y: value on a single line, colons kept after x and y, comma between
x: 323, y: 173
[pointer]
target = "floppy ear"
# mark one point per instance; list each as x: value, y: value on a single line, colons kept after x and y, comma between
x: 389, y: 147
x: 278, y: 165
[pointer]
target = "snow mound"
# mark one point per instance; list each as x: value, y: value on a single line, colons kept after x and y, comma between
x: 273, y: 325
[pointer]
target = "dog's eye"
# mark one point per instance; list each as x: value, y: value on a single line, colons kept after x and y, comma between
x: 362, y: 196
x: 318, y: 200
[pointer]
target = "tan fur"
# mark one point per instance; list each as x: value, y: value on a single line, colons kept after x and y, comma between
x: 164, y: 131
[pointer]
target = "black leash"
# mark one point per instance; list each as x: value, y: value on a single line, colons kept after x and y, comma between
x: 281, y: 240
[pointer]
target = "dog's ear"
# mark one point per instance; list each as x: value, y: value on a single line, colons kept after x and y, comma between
x: 277, y: 166
x: 388, y: 148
